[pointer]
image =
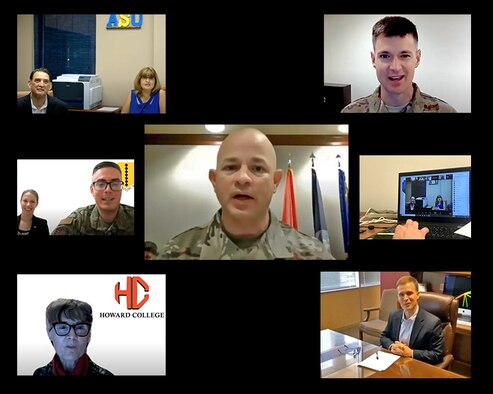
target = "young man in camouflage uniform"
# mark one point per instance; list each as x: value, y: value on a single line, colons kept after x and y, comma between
x: 395, y: 58
x: 244, y: 181
x: 107, y: 216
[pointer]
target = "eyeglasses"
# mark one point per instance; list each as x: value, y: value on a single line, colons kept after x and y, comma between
x: 80, y: 329
x: 353, y: 351
x: 39, y: 80
x: 101, y: 185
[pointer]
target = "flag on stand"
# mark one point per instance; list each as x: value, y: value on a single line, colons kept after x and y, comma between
x: 319, y: 225
x: 343, y: 202
x: 289, y: 203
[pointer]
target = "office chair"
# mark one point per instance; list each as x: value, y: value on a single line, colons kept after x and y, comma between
x: 374, y: 327
x: 22, y: 93
x: 445, y: 307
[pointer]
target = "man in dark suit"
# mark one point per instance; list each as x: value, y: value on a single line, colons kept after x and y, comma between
x: 39, y: 101
x: 412, y: 331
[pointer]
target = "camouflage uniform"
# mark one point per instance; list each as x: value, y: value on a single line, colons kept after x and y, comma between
x: 86, y: 221
x: 421, y: 102
x: 210, y: 242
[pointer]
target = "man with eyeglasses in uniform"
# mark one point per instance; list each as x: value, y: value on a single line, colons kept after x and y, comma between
x: 107, y: 216
x: 68, y: 324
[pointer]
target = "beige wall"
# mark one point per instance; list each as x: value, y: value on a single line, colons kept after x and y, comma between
x: 345, y: 307
x: 25, y: 50
x: 120, y: 54
x: 383, y: 170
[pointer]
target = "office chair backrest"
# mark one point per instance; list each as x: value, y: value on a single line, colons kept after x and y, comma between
x: 22, y: 93
x: 388, y: 303
x: 374, y: 327
x: 445, y: 307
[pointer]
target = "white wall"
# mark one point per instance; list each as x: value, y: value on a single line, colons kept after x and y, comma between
x: 445, y: 42
x: 383, y: 171
x: 62, y: 185
x: 178, y: 194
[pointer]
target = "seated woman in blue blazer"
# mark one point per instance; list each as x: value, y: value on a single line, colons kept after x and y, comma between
x: 147, y: 97
x: 440, y: 204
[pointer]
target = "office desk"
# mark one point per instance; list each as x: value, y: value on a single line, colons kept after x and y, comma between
x: 462, y: 348
x: 378, y: 227
x: 100, y: 108
x: 339, y: 360
x: 368, y: 233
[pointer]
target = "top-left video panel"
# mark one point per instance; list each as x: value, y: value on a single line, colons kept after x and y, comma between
x: 113, y: 63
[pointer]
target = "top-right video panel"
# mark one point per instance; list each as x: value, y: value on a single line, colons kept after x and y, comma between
x: 397, y: 63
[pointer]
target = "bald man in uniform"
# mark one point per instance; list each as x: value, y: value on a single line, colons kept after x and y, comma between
x: 244, y: 180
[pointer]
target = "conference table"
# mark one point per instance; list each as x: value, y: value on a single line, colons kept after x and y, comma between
x: 340, y: 355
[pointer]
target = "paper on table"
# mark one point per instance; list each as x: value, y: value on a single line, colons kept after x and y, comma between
x: 384, y: 361
x: 107, y: 109
x: 465, y: 230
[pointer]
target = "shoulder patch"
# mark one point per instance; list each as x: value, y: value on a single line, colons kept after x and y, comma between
x: 432, y: 107
x: 66, y: 221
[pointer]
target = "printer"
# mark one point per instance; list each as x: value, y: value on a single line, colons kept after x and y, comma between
x: 79, y: 91
x: 421, y: 202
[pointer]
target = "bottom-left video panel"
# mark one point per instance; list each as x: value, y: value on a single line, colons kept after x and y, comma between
x: 91, y: 325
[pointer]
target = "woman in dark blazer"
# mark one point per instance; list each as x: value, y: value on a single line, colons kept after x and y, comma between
x: 27, y: 223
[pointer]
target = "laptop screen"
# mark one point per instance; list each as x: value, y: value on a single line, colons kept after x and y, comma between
x: 442, y: 195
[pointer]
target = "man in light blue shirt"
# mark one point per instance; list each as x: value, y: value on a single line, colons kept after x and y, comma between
x: 412, y: 331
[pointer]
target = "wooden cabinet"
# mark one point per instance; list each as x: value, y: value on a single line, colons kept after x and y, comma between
x: 336, y: 96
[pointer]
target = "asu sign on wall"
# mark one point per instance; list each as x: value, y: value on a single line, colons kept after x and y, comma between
x: 124, y: 21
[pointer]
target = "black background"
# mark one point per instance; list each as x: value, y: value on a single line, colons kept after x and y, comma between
x: 245, y: 62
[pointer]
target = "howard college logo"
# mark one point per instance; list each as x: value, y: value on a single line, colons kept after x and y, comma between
x: 132, y: 292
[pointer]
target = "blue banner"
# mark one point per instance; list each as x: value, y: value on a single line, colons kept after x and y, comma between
x: 343, y: 201
x: 319, y: 224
